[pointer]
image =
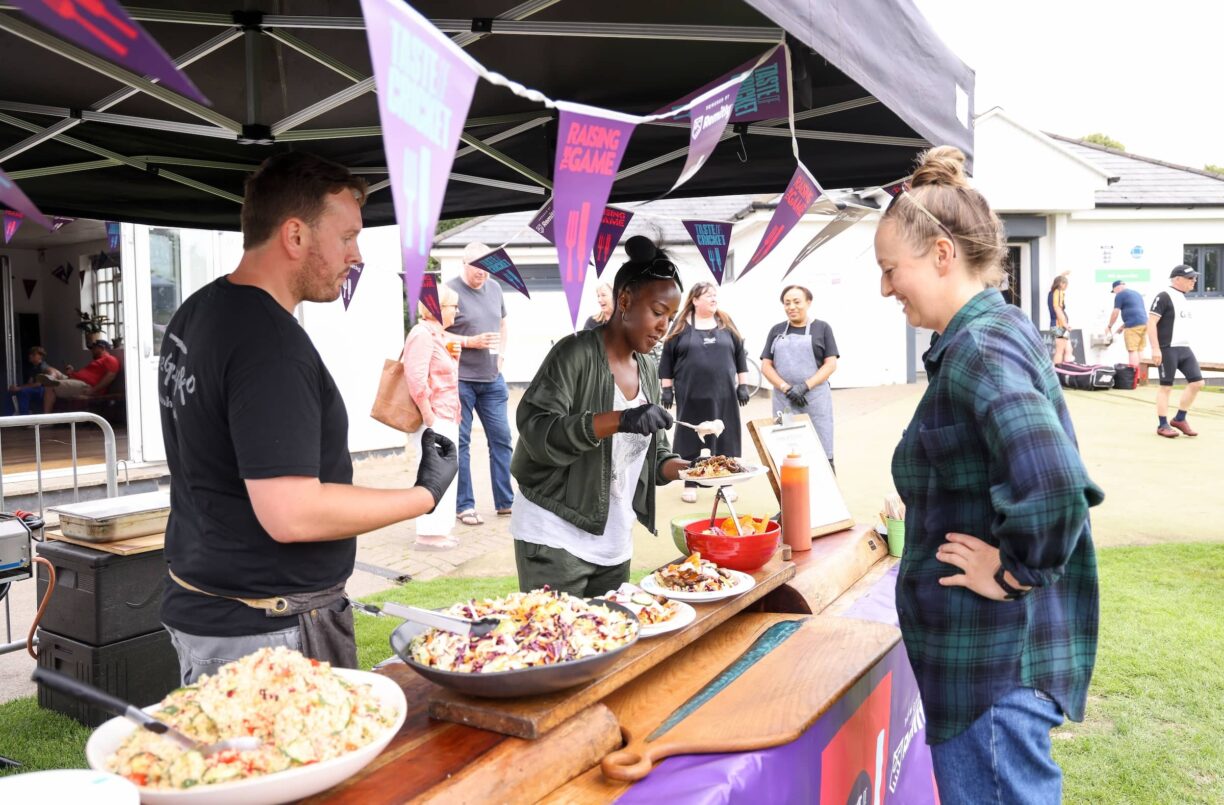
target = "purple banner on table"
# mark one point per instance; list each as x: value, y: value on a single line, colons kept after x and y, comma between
x: 800, y: 195
x: 763, y: 94
x: 713, y: 240
x: 840, y: 223
x: 103, y: 27
x: 59, y: 222
x: 590, y: 145
x: 425, y: 85
x: 12, y: 197
x: 611, y: 228
x: 708, y: 120
x: 350, y: 283
x: 63, y: 272
x: 113, y: 231
x: 429, y: 296
x: 542, y: 223
x: 12, y: 222
x: 499, y: 264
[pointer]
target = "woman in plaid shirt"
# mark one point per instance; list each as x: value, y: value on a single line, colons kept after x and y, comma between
x: 997, y: 591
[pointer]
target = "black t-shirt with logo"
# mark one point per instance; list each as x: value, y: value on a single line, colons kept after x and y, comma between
x: 244, y: 395
x: 1173, y: 326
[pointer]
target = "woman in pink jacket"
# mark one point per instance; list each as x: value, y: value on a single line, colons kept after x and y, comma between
x: 432, y: 374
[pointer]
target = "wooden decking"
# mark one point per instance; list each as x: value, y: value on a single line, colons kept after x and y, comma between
x: 17, y: 454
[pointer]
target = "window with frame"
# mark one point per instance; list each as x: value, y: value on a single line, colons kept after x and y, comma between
x: 1208, y: 261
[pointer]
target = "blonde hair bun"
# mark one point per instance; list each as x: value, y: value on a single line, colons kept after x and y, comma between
x: 942, y: 165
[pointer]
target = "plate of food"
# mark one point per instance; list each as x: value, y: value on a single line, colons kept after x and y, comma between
x: 697, y: 580
x: 720, y: 471
x: 318, y: 726
x: 657, y: 614
x: 546, y: 641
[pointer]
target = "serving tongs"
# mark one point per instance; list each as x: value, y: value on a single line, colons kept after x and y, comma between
x: 112, y: 704
x: 428, y: 617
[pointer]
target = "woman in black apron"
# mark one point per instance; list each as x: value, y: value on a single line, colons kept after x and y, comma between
x: 704, y: 371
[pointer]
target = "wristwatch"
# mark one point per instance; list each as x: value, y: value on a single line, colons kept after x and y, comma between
x: 1010, y: 593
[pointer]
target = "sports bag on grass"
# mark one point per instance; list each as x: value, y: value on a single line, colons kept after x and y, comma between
x: 1126, y: 376
x: 1086, y: 378
x: 393, y: 405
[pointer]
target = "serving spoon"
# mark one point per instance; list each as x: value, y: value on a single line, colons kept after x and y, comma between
x: 711, y: 427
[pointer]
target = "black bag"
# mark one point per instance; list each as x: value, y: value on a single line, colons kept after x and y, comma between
x: 1125, y: 376
x: 1085, y: 378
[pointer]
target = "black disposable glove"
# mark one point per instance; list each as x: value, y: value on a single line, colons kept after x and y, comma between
x: 743, y: 393
x: 797, y: 395
x: 644, y: 419
x: 669, y: 397
x: 439, y: 464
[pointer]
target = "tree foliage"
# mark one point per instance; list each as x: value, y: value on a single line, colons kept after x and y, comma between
x: 1214, y: 169
x: 1097, y: 138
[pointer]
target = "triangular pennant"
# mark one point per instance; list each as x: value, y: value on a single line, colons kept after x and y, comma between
x: 29, y: 287
x: 499, y: 264
x: 12, y: 197
x: 802, y: 192
x: 112, y: 235
x: 542, y: 223
x: 590, y: 145
x: 63, y: 272
x: 80, y: 275
x: 59, y: 222
x: 12, y: 220
x: 708, y: 120
x: 763, y: 94
x: 713, y: 240
x: 103, y: 260
x: 425, y: 85
x: 611, y: 228
x: 429, y: 296
x: 840, y: 223
x: 894, y: 189
x: 103, y: 27
x: 350, y: 283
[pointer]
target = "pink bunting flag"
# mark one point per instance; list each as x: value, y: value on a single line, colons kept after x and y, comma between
x: 103, y: 27
x: 713, y: 240
x: 350, y: 283
x: 113, y: 231
x: 59, y: 222
x: 611, y: 228
x: 840, y: 223
x: 12, y: 197
x: 12, y: 221
x: 29, y: 287
x: 429, y: 296
x: 425, y: 85
x: 63, y: 272
x: 800, y: 195
x: 499, y: 264
x: 590, y: 145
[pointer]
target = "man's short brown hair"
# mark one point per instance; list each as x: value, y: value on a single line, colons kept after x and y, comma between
x: 291, y: 185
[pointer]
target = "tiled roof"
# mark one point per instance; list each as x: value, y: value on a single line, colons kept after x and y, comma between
x: 1146, y: 182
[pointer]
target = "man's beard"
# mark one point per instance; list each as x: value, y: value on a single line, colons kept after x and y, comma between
x: 314, y: 283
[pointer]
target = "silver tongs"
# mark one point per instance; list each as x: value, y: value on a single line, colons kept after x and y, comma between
x: 428, y: 617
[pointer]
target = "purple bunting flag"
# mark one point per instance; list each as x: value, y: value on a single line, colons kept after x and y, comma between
x: 763, y: 94
x: 113, y: 231
x: 103, y: 27
x: 425, y: 85
x: 840, y: 223
x: 350, y: 283
x: 800, y: 195
x: 707, y: 122
x: 590, y: 145
x: 429, y: 296
x: 499, y: 264
x: 611, y: 228
x: 59, y: 222
x: 12, y: 197
x: 896, y: 188
x: 63, y: 272
x: 29, y: 287
x: 542, y: 223
x: 12, y: 220
x: 713, y: 240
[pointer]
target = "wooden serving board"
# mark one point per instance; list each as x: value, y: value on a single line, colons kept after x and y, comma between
x: 534, y: 716
x: 834, y: 565
x: 127, y: 547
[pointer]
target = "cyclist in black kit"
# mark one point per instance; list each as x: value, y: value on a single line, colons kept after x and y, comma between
x: 1169, y: 326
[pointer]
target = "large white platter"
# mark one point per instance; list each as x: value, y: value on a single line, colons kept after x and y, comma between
x: 725, y: 480
x: 284, y: 786
x: 743, y: 583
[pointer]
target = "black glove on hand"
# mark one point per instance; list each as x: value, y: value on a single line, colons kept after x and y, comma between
x: 669, y: 397
x: 743, y: 394
x: 439, y: 464
x: 797, y: 395
x: 644, y: 419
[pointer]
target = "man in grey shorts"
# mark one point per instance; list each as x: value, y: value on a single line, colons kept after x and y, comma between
x: 1169, y: 323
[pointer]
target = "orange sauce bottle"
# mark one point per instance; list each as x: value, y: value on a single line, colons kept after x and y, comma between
x: 796, y: 509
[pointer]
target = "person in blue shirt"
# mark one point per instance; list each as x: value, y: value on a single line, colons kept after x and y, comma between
x: 1130, y: 305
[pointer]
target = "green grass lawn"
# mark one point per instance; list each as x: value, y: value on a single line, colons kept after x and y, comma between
x: 1153, y: 735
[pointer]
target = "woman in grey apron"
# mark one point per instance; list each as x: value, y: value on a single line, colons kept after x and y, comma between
x: 800, y: 352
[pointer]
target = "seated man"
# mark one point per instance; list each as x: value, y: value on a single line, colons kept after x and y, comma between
x: 31, y: 391
x: 90, y: 381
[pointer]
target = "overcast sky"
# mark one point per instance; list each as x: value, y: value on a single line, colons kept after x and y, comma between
x: 1150, y: 75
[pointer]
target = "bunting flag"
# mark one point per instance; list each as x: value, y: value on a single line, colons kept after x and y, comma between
x: 499, y: 264
x: 840, y: 223
x: 80, y: 275
x: 590, y: 145
x: 63, y: 272
x: 429, y: 296
x: 29, y: 287
x: 350, y: 283
x: 894, y: 189
x: 103, y: 260
x: 802, y: 192
x: 713, y: 240
x: 542, y: 223
x: 112, y: 235
x: 708, y: 119
x: 103, y: 27
x: 611, y: 228
x: 12, y: 197
x: 425, y: 85
x: 12, y: 220
x: 59, y: 222
x: 762, y: 94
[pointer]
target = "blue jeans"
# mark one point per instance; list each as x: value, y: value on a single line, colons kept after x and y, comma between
x: 25, y: 398
x: 488, y: 400
x: 1004, y: 756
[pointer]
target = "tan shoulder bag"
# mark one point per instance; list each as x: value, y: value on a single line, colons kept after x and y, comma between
x: 393, y: 405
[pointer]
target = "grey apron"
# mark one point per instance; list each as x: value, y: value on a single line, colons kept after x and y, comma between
x: 794, y: 360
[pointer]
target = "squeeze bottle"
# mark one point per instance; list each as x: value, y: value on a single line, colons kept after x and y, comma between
x: 796, y: 511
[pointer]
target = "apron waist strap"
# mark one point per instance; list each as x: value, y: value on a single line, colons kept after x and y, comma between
x: 274, y: 606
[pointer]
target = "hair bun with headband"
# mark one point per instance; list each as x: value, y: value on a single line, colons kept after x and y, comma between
x: 641, y: 249
x: 943, y: 165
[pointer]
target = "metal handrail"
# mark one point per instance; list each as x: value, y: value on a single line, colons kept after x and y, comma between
x: 38, y: 421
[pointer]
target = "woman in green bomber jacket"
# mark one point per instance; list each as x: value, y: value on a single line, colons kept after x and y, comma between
x: 593, y: 439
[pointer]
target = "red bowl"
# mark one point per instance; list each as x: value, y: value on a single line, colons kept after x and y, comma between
x: 746, y: 553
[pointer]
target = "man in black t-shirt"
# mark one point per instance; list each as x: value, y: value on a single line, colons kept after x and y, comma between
x: 263, y: 513
x: 1169, y: 334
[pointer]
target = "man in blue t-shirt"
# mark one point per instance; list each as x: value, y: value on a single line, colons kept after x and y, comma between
x: 1134, y: 319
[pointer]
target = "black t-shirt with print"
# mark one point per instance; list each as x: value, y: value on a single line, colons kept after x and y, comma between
x: 823, y: 343
x: 244, y: 395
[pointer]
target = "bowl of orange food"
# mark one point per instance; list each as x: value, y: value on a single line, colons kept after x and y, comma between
x: 717, y: 541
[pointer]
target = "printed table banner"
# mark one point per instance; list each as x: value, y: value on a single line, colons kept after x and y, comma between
x: 350, y: 283
x: 713, y: 240
x: 425, y: 85
x: 113, y: 231
x: 59, y: 222
x: 12, y: 197
x: 802, y: 192
x: 590, y: 145
x: 29, y: 287
x: 12, y: 221
x: 840, y: 223
x: 499, y: 264
x: 611, y: 228
x: 63, y: 272
x: 429, y: 296
x: 763, y: 94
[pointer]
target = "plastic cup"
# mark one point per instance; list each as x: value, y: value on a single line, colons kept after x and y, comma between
x: 896, y: 536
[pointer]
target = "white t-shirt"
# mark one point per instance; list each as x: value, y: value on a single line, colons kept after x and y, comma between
x: 532, y: 523
x: 1175, y: 326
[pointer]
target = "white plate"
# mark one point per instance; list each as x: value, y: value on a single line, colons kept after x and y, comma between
x: 69, y: 785
x: 743, y: 583
x: 269, y: 789
x: 725, y: 480
x: 682, y: 618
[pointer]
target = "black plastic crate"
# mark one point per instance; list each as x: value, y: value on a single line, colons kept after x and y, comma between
x: 140, y: 670
x: 100, y: 597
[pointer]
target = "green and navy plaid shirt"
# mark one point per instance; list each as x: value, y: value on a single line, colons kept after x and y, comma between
x: 991, y: 452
